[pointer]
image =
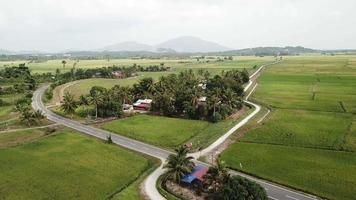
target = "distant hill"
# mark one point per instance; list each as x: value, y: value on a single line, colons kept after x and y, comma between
x: 185, y: 44
x: 129, y: 46
x: 191, y: 44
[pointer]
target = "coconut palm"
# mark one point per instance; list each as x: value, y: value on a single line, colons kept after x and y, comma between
x: 69, y: 104
x: 217, y: 176
x: 178, y: 165
x: 97, y: 97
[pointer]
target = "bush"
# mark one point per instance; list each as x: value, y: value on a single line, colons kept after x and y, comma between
x: 108, y: 139
x: 83, y: 111
x: 215, y: 118
x: 238, y: 188
x: 49, y: 94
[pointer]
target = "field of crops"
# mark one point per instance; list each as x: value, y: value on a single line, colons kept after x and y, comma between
x: 162, y: 131
x: 51, y: 65
x: 66, y: 165
x: 171, y: 132
x: 309, y: 139
x: 331, y: 174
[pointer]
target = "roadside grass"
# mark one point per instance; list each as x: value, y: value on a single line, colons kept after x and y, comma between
x: 5, y: 112
x: 162, y: 131
x: 10, y: 139
x: 330, y: 174
x: 133, y: 191
x: 305, y: 129
x: 67, y: 165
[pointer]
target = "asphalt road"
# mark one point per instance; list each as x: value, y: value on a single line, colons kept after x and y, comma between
x: 274, y: 191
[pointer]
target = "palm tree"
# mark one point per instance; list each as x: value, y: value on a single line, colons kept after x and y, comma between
x: 178, y: 165
x: 217, y: 176
x: 214, y: 99
x: 64, y: 63
x: 69, y: 105
x: 96, y: 97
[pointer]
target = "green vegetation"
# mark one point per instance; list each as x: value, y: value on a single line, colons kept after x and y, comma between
x: 65, y: 165
x: 178, y: 165
x: 10, y: 139
x: 217, y: 183
x: 46, y: 66
x: 162, y: 131
x: 305, y: 129
x: 327, y: 173
x: 170, y: 132
x: 308, y: 141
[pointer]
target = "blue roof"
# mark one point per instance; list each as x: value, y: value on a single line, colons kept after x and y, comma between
x: 197, y: 170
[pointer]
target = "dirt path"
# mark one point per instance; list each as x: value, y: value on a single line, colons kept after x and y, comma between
x: 58, y: 93
x: 25, y: 129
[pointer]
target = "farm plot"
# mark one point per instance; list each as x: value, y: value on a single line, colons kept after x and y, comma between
x: 309, y: 140
x: 66, y: 165
x: 172, y: 132
x: 330, y: 174
x: 161, y: 131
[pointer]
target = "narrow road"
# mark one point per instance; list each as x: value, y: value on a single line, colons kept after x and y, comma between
x: 274, y: 191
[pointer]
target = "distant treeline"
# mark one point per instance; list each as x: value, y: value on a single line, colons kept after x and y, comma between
x: 104, y: 72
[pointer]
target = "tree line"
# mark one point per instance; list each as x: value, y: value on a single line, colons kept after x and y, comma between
x: 20, y: 79
x: 187, y: 94
x: 59, y: 78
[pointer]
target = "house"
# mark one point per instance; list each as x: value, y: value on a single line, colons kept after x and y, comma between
x: 97, y: 74
x: 201, y: 100
x: 196, y: 176
x: 118, y: 74
x: 202, y: 86
x: 142, y: 104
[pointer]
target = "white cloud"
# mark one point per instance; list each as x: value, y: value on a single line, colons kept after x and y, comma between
x: 89, y: 24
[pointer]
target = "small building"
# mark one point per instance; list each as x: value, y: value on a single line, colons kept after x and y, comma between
x: 196, y: 176
x: 97, y: 75
x: 202, y: 101
x: 118, y: 74
x: 202, y: 86
x: 142, y: 104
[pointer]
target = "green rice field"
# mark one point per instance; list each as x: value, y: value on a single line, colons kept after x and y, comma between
x: 66, y: 165
x: 308, y: 141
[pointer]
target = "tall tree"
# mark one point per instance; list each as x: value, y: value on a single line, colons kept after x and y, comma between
x: 178, y: 165
x: 69, y: 104
x: 217, y: 176
x: 97, y: 97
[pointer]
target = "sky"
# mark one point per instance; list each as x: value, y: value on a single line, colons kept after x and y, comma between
x: 57, y: 25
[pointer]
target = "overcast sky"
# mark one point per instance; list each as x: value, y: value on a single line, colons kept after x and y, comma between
x: 55, y: 25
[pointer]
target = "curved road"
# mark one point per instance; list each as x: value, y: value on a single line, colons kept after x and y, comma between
x: 274, y: 191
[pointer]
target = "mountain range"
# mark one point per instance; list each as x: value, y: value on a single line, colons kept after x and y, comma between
x: 180, y: 45
x: 186, y: 44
